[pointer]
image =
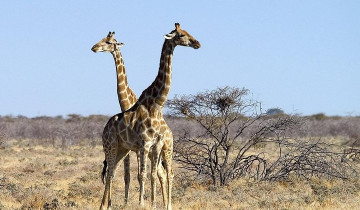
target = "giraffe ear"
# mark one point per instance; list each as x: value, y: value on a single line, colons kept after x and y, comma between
x: 169, y: 36
x: 120, y: 44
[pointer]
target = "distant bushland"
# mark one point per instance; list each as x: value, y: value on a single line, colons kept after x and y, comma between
x: 76, y: 129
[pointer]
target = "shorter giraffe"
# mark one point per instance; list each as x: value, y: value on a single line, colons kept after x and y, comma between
x: 127, y: 99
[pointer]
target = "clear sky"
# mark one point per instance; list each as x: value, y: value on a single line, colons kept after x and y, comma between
x: 300, y: 56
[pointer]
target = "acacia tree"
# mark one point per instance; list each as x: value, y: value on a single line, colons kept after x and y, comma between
x: 231, y: 124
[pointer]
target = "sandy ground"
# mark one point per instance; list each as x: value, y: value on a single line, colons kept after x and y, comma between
x: 38, y: 177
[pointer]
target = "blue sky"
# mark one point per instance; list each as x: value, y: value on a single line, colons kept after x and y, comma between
x: 300, y: 56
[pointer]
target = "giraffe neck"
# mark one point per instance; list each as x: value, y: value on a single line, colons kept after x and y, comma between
x: 126, y: 96
x: 156, y: 93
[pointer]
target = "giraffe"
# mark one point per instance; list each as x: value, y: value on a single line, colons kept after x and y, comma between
x: 127, y: 99
x: 142, y: 127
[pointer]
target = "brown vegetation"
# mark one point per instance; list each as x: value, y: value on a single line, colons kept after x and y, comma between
x: 47, y: 177
x: 55, y: 163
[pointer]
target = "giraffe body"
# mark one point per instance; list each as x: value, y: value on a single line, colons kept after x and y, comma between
x: 142, y: 128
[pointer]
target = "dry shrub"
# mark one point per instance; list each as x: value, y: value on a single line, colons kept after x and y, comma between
x: 233, y: 136
x: 307, y: 159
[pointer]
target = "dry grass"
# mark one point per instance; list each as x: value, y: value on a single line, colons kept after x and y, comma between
x: 44, y: 177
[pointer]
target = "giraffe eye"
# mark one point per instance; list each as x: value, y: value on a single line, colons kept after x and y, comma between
x: 181, y: 35
x: 107, y: 42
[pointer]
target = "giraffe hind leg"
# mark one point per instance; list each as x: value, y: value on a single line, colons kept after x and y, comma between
x: 106, y: 200
x: 112, y: 157
x: 103, y: 173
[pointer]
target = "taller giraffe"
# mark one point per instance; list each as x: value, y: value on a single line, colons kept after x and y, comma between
x: 127, y: 99
x: 141, y: 128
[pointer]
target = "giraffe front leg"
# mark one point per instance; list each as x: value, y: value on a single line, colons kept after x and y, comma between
x: 162, y: 178
x: 143, y: 159
x: 138, y: 162
x: 154, y: 168
x: 127, y: 177
x: 167, y: 157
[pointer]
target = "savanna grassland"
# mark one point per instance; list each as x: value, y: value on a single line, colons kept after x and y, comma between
x: 56, y: 163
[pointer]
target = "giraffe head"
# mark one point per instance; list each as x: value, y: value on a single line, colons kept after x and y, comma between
x: 107, y: 44
x: 182, y: 37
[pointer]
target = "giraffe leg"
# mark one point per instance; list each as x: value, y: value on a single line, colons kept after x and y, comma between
x: 143, y: 159
x: 162, y: 178
x: 106, y: 194
x: 113, y: 158
x: 127, y: 177
x: 110, y: 159
x: 161, y: 175
x: 106, y: 200
x: 167, y: 156
x: 154, y: 168
x: 138, y: 162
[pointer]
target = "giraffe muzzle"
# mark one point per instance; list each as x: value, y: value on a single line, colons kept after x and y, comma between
x: 94, y: 48
x: 195, y: 44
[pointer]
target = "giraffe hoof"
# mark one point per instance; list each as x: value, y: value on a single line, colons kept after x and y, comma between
x: 142, y: 204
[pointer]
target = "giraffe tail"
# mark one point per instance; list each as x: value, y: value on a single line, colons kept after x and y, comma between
x: 104, y: 172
